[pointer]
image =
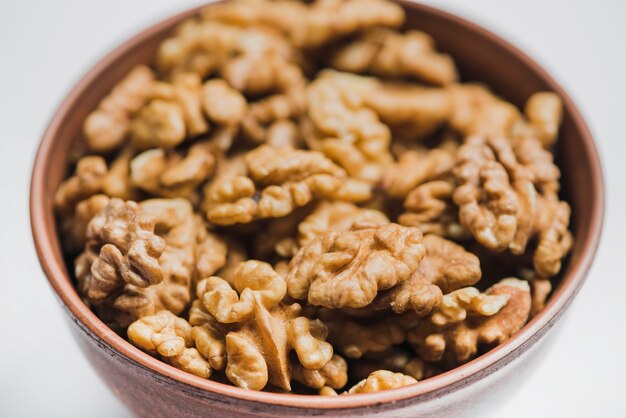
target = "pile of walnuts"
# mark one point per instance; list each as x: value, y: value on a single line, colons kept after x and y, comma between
x: 300, y: 197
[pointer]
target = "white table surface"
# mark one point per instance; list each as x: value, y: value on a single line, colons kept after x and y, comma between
x: 46, y: 45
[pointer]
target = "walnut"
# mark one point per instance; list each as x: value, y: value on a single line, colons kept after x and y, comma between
x: 338, y: 217
x: 211, y: 251
x: 263, y: 330
x: 173, y: 114
x: 348, y: 269
x: 205, y: 47
x: 388, y: 53
x: 344, y: 129
x: 334, y: 374
x: 208, y: 335
x: 121, y: 248
x: 458, y: 342
x: 117, y: 182
x: 381, y: 380
x: 496, y: 198
x: 555, y: 240
x: 178, y: 227
x: 539, y: 163
x: 159, y: 124
x: 395, y: 360
x: 354, y: 339
x: 169, y: 174
x: 429, y: 207
x: 223, y: 104
x: 74, y: 227
x: 86, y: 182
x: 414, y: 168
x: 446, y: 267
x: 265, y: 113
x: 544, y: 111
x: 169, y: 336
x: 477, y: 111
x: 106, y: 128
x: 280, y: 180
x: 412, y: 113
x: 540, y: 290
x: 261, y: 74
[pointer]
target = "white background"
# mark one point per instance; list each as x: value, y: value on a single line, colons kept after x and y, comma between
x: 46, y: 45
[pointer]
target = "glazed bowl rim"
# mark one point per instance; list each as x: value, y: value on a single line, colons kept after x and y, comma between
x: 446, y: 382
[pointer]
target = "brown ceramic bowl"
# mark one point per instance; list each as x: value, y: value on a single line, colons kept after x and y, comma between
x: 152, y: 388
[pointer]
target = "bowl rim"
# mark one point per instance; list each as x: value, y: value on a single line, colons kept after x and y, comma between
x: 444, y: 383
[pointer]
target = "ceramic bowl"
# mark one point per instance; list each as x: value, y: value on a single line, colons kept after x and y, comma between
x: 150, y: 387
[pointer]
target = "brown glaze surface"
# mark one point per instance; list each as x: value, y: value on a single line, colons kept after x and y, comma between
x: 150, y: 387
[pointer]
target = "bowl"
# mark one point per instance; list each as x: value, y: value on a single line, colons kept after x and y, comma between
x: 150, y: 387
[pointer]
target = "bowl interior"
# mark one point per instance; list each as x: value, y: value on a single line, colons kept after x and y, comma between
x: 481, y: 56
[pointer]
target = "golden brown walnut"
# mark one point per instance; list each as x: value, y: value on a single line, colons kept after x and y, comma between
x: 263, y: 114
x: 223, y: 104
x: 540, y: 290
x: 554, y: 239
x: 169, y: 336
x: 477, y: 111
x: 388, y: 53
x: 446, y: 267
x: 458, y: 342
x: 414, y: 168
x: 106, y: 128
x: 173, y: 114
x: 163, y: 333
x: 178, y: 227
x: 344, y: 128
x: 117, y: 182
x: 263, y: 331
x: 86, y: 182
x: 74, y: 227
x: 354, y: 339
x: 159, y: 124
x: 261, y: 74
x: 334, y: 374
x: 208, y: 335
x: 544, y: 111
x: 338, y: 217
x: 429, y: 207
x: 211, y: 251
x: 349, y: 268
x: 121, y: 248
x: 413, y: 113
x: 539, y: 162
x: 274, y: 182
x: 205, y: 47
x: 496, y: 197
x: 170, y: 174
x: 309, y: 25
x: 382, y: 380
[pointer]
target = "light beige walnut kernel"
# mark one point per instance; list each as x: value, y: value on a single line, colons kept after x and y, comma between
x: 554, y: 239
x: 446, y: 267
x: 355, y: 340
x: 106, y: 128
x: 349, y: 268
x: 458, y: 342
x: 382, y: 380
x: 388, y: 53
